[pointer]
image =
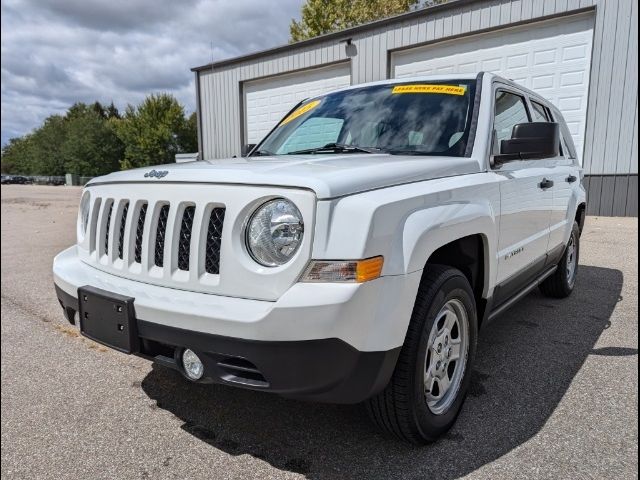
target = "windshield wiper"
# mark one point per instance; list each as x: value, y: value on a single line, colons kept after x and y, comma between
x: 262, y: 153
x: 337, y: 148
x: 412, y: 152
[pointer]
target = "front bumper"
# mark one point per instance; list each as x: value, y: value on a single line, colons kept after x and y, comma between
x: 327, y: 342
x: 325, y: 370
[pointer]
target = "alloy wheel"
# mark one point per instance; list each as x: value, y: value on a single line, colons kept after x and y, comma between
x: 446, y: 358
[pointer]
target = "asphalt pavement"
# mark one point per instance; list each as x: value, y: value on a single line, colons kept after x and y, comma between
x: 554, y: 392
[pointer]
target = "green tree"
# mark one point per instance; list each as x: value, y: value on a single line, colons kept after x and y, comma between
x: 112, y: 111
x: 92, y: 147
x: 324, y: 16
x: 16, y: 155
x: 78, y: 109
x: 153, y: 132
x: 189, y: 136
x: 45, y: 147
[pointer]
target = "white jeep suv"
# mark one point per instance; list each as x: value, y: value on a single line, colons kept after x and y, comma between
x: 351, y: 256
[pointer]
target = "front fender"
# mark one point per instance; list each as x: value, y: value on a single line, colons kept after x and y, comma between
x: 406, y: 224
x: 427, y: 230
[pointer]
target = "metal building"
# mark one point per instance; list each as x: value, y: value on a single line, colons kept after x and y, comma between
x: 580, y: 54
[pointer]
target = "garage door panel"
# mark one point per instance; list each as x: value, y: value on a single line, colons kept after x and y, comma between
x: 552, y: 58
x: 268, y: 100
x: 471, y: 67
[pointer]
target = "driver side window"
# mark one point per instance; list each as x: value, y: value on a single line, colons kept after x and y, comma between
x: 510, y: 110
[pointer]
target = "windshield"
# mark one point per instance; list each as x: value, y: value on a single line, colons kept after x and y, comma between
x: 427, y: 118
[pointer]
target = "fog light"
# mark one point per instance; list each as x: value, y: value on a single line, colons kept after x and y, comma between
x: 192, y: 365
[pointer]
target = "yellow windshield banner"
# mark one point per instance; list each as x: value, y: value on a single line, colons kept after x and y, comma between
x: 301, y: 111
x: 442, y: 89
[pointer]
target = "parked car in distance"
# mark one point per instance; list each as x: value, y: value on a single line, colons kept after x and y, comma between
x: 15, y: 179
x: 352, y: 256
x: 56, y: 181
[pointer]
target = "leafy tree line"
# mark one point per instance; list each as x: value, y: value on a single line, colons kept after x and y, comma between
x: 91, y: 140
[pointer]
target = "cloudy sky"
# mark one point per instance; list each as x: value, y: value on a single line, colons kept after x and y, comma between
x: 57, y: 52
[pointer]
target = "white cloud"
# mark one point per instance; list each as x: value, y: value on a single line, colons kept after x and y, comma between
x: 57, y: 52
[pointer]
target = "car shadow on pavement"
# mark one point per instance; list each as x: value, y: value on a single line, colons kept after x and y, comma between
x: 527, y: 360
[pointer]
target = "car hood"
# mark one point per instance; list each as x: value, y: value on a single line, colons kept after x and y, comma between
x: 329, y: 176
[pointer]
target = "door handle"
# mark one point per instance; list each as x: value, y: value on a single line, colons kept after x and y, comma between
x: 571, y: 178
x: 545, y: 183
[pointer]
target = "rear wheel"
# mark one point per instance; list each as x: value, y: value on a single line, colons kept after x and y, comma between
x: 430, y: 381
x: 563, y: 280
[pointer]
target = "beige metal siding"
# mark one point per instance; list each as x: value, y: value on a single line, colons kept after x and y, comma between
x: 611, y: 151
x: 613, y: 84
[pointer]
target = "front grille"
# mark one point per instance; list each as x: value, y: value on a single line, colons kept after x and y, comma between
x: 148, y: 235
x: 137, y: 253
x: 106, y: 237
x: 123, y: 222
x: 214, y: 241
x: 160, y: 233
x: 184, y: 241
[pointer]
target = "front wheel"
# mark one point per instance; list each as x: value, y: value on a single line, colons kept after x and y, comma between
x: 430, y: 381
x: 563, y: 280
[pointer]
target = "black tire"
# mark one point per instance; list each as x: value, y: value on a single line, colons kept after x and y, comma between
x: 561, y: 284
x: 401, y: 408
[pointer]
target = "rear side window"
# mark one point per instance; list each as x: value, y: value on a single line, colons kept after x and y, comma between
x: 510, y: 111
x: 566, y: 150
x: 539, y: 112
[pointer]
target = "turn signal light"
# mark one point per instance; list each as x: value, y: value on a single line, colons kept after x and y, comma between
x: 343, y: 271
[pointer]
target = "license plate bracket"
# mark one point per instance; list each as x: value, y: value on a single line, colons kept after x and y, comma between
x: 108, y: 318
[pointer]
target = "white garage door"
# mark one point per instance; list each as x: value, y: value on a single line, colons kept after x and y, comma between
x: 268, y: 100
x: 552, y: 58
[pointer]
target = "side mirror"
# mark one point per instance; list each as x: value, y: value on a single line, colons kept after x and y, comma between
x: 531, y: 141
x: 246, y: 149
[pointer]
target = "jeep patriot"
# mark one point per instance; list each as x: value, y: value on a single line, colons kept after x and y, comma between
x: 351, y: 256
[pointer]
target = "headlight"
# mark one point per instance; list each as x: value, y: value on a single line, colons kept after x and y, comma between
x: 274, y: 232
x: 83, y: 215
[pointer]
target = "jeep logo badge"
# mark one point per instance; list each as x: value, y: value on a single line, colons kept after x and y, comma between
x: 156, y: 174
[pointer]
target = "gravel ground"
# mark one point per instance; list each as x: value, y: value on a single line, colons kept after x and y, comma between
x: 554, y: 393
